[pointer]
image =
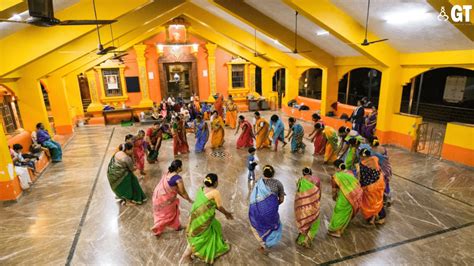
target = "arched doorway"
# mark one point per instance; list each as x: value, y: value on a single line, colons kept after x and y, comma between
x: 310, y: 83
x: 359, y: 83
x: 441, y: 95
x: 278, y: 84
x: 10, y: 113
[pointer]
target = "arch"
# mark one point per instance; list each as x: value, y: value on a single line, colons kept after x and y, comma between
x: 310, y: 83
x: 344, y: 70
x: 358, y: 83
x: 9, y: 90
x: 415, y: 72
x: 440, y: 94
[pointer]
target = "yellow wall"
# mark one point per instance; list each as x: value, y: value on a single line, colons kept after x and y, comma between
x: 461, y: 135
x: 406, y: 124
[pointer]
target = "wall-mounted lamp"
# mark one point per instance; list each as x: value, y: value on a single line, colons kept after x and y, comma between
x: 194, y: 48
x: 160, y: 48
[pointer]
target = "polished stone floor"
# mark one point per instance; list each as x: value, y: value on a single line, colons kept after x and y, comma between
x: 70, y: 216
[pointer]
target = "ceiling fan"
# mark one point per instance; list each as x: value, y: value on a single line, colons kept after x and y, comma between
x: 255, y: 52
x: 42, y: 15
x: 366, y: 42
x: 295, y: 50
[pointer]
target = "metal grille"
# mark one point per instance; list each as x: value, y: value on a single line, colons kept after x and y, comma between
x: 421, y: 137
x: 220, y: 155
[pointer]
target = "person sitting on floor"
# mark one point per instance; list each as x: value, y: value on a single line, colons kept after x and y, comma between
x: 45, y: 140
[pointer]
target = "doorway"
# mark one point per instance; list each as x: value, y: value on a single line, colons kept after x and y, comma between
x: 85, y: 92
x: 178, y: 80
x: 278, y: 84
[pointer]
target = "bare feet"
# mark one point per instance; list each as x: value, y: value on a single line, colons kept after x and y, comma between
x: 334, y: 234
x: 262, y: 251
x: 181, y: 228
x: 380, y: 221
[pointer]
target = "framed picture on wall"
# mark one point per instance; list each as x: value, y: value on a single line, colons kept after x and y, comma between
x: 112, y: 82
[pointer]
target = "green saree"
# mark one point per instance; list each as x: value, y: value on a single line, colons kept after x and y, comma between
x: 123, y: 182
x: 307, y: 206
x: 204, y: 232
x: 348, y: 200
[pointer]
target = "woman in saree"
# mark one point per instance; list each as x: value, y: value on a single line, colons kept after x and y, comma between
x: 317, y: 137
x: 45, y: 140
x: 217, y: 126
x: 180, y: 142
x: 330, y: 135
x: 307, y: 205
x: 197, y: 103
x: 278, y: 129
x: 165, y: 199
x: 139, y: 154
x: 296, y: 135
x: 382, y: 155
x: 202, y: 133
x: 368, y: 129
x: 245, y: 139
x: 121, y: 178
x: 154, y: 137
x: 373, y: 186
x: 204, y: 232
x: 347, y: 193
x: 231, y: 113
x: 262, y: 129
x: 352, y: 155
x: 219, y: 105
x: 265, y: 199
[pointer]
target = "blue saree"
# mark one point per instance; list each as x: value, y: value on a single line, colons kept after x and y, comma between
x: 263, y: 215
x: 201, y: 136
x: 278, y: 131
x: 297, y: 139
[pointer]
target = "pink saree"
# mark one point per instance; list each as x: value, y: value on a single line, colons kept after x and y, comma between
x: 165, y: 206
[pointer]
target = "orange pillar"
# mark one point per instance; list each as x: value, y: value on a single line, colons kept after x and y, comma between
x: 9, y: 184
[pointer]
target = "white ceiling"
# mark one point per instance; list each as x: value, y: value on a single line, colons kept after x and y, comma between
x: 417, y: 31
x: 204, y: 4
x: 285, y: 16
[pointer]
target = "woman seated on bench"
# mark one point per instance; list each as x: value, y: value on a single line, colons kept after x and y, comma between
x: 45, y: 140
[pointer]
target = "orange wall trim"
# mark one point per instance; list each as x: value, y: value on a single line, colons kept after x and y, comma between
x: 64, y: 129
x: 395, y: 138
x: 458, y: 154
x: 10, y: 190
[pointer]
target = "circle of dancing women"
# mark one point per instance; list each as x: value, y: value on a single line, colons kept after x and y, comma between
x: 360, y: 182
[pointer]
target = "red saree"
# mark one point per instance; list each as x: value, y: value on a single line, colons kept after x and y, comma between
x: 180, y: 143
x: 319, y: 144
x: 165, y: 206
x: 219, y: 106
x: 139, y: 154
x: 246, y: 138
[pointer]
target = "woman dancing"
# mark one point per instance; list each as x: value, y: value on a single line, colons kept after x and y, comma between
x: 347, y: 193
x: 202, y: 133
x: 121, y: 178
x: 266, y: 197
x: 307, y: 205
x: 245, y: 139
x: 165, y: 199
x: 204, y: 232
x: 217, y: 125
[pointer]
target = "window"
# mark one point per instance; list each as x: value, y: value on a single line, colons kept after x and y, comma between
x: 238, y: 76
x: 358, y: 84
x: 10, y: 115
x: 112, y: 82
x: 310, y: 83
